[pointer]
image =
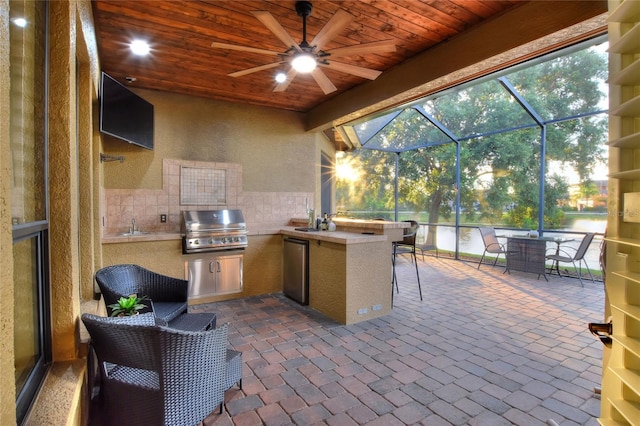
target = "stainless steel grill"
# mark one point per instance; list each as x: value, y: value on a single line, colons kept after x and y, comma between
x: 213, y: 230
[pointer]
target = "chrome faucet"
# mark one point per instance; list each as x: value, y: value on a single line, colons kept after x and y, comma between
x: 133, y: 225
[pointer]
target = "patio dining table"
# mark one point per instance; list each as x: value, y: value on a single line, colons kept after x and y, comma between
x: 528, y: 254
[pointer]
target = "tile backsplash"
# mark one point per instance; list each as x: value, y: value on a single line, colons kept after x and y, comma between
x: 260, y: 209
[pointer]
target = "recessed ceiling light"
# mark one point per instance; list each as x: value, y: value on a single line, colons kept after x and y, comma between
x: 281, y: 77
x: 140, y: 47
x: 21, y: 22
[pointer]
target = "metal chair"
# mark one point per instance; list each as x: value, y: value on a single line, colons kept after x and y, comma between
x: 168, y: 294
x: 491, y: 244
x: 561, y: 255
x: 430, y: 242
x: 157, y: 375
x: 406, y: 245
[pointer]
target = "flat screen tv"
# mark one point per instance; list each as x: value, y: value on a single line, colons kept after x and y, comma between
x: 125, y: 115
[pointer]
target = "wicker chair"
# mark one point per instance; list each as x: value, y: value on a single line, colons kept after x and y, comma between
x: 168, y: 294
x: 155, y: 375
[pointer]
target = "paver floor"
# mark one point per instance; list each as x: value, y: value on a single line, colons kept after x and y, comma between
x: 483, y: 348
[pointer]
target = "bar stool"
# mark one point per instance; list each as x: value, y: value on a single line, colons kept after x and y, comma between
x: 407, y: 245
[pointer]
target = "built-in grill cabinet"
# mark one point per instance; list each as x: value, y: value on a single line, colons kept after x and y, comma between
x: 213, y: 274
x: 213, y: 246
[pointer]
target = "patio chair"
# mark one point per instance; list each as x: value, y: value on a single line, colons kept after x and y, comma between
x: 406, y: 246
x: 562, y: 255
x: 168, y: 294
x: 430, y: 242
x: 156, y: 375
x: 491, y: 244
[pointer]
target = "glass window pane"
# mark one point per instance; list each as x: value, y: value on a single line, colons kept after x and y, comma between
x: 499, y: 180
x: 409, y: 130
x: 26, y: 313
x: 27, y: 113
x: 566, y: 86
x: 576, y: 177
x: 369, y: 128
x: 426, y: 184
x: 476, y: 110
x: 427, y: 192
x: 365, y: 184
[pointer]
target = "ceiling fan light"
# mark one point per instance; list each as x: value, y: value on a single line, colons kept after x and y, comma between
x: 281, y: 77
x: 304, y: 63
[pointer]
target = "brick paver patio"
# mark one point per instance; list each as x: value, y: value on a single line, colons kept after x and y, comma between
x: 483, y: 348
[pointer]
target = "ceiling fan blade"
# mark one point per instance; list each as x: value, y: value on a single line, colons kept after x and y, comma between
x: 359, y: 49
x: 255, y: 69
x: 274, y: 26
x: 281, y: 87
x: 337, y: 23
x: 352, y: 69
x: 323, y: 81
x: 244, y: 48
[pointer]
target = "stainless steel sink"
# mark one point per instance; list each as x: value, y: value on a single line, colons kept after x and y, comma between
x: 133, y: 234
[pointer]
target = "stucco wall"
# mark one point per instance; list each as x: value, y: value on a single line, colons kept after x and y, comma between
x: 7, y: 380
x: 275, y: 152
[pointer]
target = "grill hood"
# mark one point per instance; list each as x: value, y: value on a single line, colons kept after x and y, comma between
x: 199, y: 221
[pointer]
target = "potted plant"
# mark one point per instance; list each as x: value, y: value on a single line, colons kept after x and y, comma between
x: 127, y: 306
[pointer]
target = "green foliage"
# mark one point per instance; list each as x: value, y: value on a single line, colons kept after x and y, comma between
x: 499, y: 172
x: 127, y: 306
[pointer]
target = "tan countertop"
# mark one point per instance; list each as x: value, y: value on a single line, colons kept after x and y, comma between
x: 150, y: 236
x: 336, y: 236
x: 351, y: 232
x: 339, y: 237
x: 370, y: 224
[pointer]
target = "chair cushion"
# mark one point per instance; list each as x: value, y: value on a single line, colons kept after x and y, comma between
x: 194, y: 321
x: 169, y: 310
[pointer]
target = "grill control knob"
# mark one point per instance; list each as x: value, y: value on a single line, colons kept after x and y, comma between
x: 196, y: 242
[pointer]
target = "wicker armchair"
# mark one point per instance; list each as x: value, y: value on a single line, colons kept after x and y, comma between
x: 168, y: 294
x: 155, y: 375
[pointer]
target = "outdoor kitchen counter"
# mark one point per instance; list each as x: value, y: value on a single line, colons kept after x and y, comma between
x: 350, y: 268
x: 349, y: 271
x: 147, y: 236
x: 339, y: 237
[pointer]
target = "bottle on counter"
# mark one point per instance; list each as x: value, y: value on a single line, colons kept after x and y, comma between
x: 331, y: 226
x: 311, y: 222
x: 325, y: 222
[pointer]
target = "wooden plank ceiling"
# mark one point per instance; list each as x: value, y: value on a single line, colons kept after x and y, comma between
x: 181, y: 32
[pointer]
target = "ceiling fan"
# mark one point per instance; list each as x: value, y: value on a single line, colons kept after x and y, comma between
x: 307, y: 57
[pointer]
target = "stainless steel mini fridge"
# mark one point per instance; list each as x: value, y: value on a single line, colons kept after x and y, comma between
x: 295, y: 274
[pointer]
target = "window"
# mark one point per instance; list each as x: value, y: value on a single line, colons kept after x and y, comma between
x: 520, y: 149
x: 28, y: 120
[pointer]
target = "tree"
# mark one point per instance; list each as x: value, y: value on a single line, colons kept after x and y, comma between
x: 500, y: 170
